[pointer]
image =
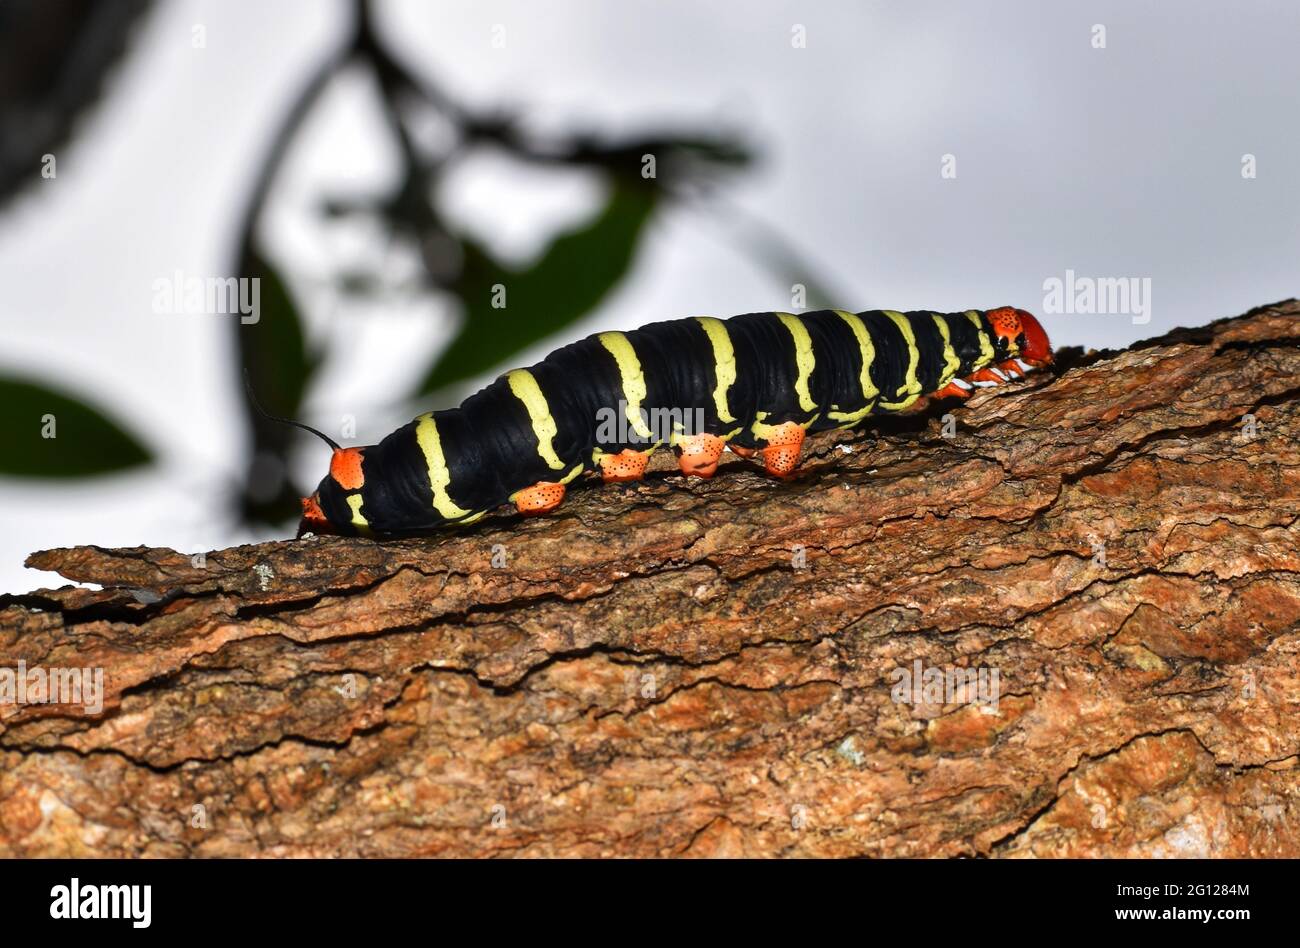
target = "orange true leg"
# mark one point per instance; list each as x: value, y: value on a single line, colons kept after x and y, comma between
x: 542, y: 497
x: 1012, y: 368
x: 627, y: 465
x: 987, y: 374
x: 952, y: 390
x: 699, y: 454
x: 781, y: 456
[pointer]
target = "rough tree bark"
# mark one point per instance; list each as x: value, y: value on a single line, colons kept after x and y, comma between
x: 653, y: 672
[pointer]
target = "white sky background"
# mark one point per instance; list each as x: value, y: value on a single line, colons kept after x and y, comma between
x: 1117, y: 162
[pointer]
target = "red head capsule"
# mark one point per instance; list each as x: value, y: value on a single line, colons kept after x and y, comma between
x: 1015, y: 325
x: 1037, y: 350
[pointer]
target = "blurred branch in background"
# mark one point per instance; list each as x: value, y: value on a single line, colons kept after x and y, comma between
x: 566, y: 282
x: 54, y: 58
x: 643, y: 174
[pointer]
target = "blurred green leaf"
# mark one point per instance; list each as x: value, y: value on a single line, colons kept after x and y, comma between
x: 566, y: 283
x: 275, y: 349
x: 84, y: 443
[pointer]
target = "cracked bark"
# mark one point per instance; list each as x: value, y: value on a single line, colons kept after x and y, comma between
x: 650, y: 674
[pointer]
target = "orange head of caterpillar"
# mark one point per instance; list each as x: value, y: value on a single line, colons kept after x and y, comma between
x: 335, y: 505
x: 1022, y: 335
x: 328, y: 510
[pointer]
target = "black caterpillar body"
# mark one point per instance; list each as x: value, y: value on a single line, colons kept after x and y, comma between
x: 753, y: 383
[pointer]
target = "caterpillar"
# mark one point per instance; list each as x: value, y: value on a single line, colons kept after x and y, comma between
x: 754, y: 384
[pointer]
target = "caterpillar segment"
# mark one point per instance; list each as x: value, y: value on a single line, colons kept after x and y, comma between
x: 755, y: 384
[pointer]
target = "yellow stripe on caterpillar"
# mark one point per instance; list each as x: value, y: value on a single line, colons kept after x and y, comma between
x: 629, y: 369
x: 426, y: 435
x: 986, y: 348
x: 868, y: 349
x: 358, y: 518
x: 910, y: 384
x: 724, y: 363
x: 849, y: 419
x: 804, y: 358
x: 527, y: 390
x: 951, y: 364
